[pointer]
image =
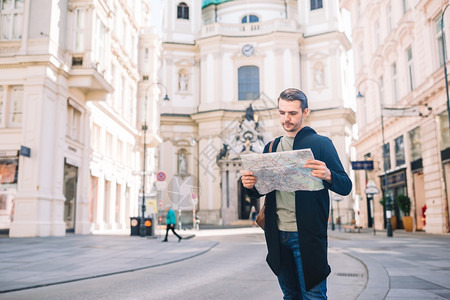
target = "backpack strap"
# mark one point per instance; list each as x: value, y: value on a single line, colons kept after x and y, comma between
x: 271, y: 146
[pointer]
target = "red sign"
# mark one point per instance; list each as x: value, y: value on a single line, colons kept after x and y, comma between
x: 161, y: 176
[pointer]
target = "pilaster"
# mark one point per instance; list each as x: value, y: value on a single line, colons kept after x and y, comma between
x: 39, y: 203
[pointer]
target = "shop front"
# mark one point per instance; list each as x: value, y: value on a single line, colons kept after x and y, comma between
x: 396, y: 185
x: 9, y: 168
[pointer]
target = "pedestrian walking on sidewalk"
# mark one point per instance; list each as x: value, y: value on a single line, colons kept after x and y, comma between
x: 170, y: 223
x: 296, y: 222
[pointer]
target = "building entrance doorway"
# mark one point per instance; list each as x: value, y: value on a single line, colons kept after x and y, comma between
x: 70, y: 193
x: 447, y: 187
x: 419, y: 205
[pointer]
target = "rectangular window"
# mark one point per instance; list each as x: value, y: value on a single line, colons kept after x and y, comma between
x: 439, y: 39
x: 409, y: 64
x: 73, y: 121
x: 389, y: 17
x: 107, y: 202
x: 95, y: 137
x: 2, y: 108
x: 16, y: 108
x: 405, y: 6
x: 381, y: 91
x: 130, y: 154
x: 248, y: 83
x: 445, y: 132
x: 386, y: 156
x: 316, y: 4
x: 11, y: 19
x: 118, y: 92
x: 132, y: 106
x: 415, y: 144
x: 120, y: 151
x: 124, y: 97
x: 399, y: 151
x: 79, y: 24
x: 358, y: 9
x: 99, y: 41
x: 109, y: 145
x: 117, y: 207
x: 395, y: 82
x: 361, y: 56
x: 377, y: 34
x: 11, y: 106
x: 110, y: 97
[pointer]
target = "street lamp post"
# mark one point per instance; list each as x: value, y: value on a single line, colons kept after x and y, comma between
x: 371, y: 190
x: 332, y: 217
x: 337, y: 199
x: 142, y: 229
x: 388, y: 201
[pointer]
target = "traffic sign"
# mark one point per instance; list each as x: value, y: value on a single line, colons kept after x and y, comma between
x: 161, y: 176
x: 161, y: 185
x: 362, y: 165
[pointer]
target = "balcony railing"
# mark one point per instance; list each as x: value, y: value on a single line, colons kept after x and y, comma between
x: 250, y: 28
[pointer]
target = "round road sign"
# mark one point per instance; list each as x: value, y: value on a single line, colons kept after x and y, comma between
x: 161, y: 176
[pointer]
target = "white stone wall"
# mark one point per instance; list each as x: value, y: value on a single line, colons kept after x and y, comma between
x: 376, y: 49
x: 103, y: 87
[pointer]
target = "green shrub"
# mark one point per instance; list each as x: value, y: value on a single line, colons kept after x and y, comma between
x: 404, y: 203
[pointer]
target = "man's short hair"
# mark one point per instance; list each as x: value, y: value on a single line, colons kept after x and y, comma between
x: 293, y: 94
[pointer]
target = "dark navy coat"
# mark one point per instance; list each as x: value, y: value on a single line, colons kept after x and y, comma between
x: 311, y: 208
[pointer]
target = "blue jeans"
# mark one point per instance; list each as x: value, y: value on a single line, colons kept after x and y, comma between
x: 291, y: 279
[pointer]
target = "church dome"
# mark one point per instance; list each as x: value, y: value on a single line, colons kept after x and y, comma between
x: 209, y: 2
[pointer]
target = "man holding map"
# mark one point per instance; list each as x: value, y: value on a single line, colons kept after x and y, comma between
x: 296, y: 219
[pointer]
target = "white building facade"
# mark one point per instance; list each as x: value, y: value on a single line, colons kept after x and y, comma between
x: 69, y: 80
x: 399, y: 64
x: 224, y: 64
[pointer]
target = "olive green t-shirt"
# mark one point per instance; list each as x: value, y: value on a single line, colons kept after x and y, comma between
x: 286, y: 200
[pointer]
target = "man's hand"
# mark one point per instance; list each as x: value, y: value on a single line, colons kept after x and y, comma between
x: 320, y: 170
x: 248, y: 179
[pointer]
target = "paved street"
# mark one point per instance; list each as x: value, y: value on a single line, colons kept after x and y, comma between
x: 217, y: 264
x: 405, y: 266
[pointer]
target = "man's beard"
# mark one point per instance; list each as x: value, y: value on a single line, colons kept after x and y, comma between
x: 294, y: 127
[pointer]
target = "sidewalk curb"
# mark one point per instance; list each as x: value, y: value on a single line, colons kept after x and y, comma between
x: 377, y: 285
x: 110, y: 273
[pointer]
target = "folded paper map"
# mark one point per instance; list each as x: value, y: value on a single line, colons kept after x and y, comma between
x: 282, y: 171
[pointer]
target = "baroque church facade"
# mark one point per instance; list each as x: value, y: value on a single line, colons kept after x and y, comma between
x: 224, y: 63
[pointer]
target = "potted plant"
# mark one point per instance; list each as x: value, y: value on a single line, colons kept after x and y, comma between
x: 404, y: 203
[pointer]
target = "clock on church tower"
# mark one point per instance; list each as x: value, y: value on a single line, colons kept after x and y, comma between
x: 248, y: 50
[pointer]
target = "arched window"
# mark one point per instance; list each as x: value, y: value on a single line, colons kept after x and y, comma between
x: 250, y: 19
x: 183, y: 11
x: 248, y: 83
x: 316, y: 4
